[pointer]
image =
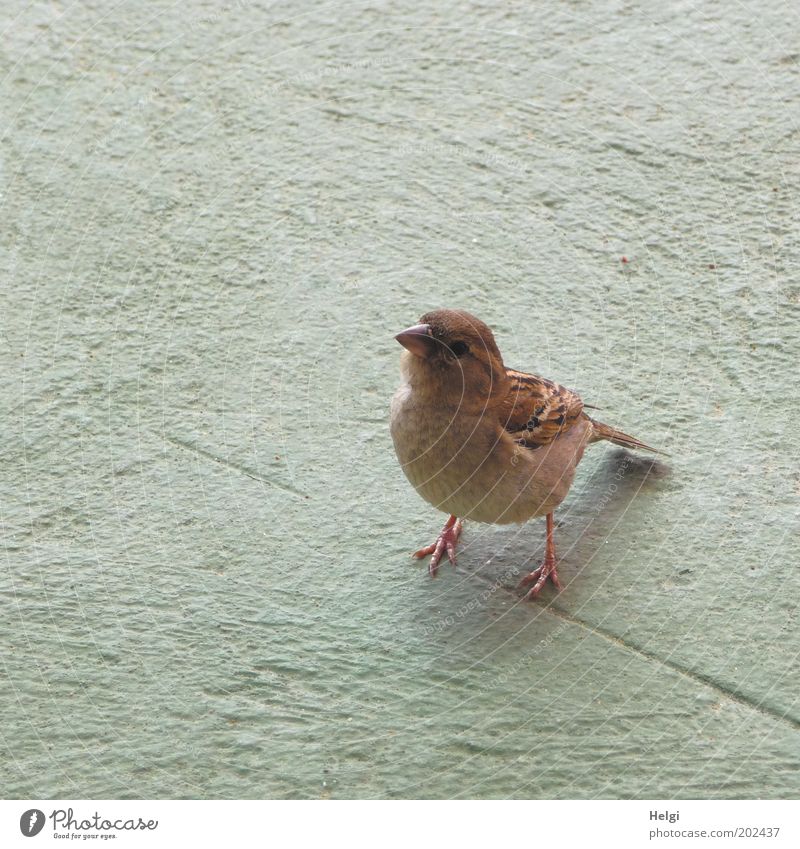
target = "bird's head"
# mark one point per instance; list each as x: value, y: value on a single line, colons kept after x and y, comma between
x: 452, y: 356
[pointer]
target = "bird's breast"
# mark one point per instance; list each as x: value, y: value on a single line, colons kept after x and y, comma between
x: 468, y: 466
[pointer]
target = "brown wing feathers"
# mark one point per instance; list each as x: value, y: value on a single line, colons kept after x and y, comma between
x: 537, y: 410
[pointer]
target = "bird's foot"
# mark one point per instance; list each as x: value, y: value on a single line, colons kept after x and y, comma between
x: 539, y: 578
x: 446, y: 541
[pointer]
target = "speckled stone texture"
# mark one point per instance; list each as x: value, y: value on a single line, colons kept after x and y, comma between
x: 214, y: 219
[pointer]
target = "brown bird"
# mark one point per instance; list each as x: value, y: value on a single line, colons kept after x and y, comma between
x: 484, y: 442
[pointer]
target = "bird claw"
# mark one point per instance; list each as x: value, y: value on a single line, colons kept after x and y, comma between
x: 445, y: 542
x: 539, y: 578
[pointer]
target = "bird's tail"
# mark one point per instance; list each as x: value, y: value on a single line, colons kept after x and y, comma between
x: 604, y: 431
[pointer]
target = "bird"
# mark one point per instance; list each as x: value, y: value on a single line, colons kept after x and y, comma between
x: 484, y: 442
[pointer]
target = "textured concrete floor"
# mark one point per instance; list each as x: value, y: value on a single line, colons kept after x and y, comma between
x: 214, y: 218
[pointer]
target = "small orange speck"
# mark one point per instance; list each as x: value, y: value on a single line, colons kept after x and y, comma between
x: 624, y: 259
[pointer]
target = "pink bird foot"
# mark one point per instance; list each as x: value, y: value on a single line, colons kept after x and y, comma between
x: 547, y: 570
x: 446, y: 541
x: 539, y: 578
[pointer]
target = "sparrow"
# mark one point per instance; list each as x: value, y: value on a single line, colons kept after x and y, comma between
x: 484, y: 442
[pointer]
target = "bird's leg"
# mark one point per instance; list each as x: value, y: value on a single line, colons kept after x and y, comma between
x: 446, y: 541
x: 548, y: 568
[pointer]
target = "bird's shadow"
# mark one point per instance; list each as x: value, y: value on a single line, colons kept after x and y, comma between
x: 596, y: 506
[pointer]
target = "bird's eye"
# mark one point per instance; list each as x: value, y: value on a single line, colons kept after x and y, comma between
x: 459, y: 348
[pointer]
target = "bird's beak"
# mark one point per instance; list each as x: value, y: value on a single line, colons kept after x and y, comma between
x: 417, y: 339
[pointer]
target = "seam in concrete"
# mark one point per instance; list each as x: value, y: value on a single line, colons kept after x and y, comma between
x: 697, y: 677
x: 242, y: 470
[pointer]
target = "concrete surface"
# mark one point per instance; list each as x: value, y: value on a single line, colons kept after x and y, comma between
x: 214, y: 218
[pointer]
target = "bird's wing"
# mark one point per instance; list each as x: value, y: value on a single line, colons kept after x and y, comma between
x: 537, y: 410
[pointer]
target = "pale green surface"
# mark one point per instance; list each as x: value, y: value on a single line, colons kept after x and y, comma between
x: 213, y: 221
